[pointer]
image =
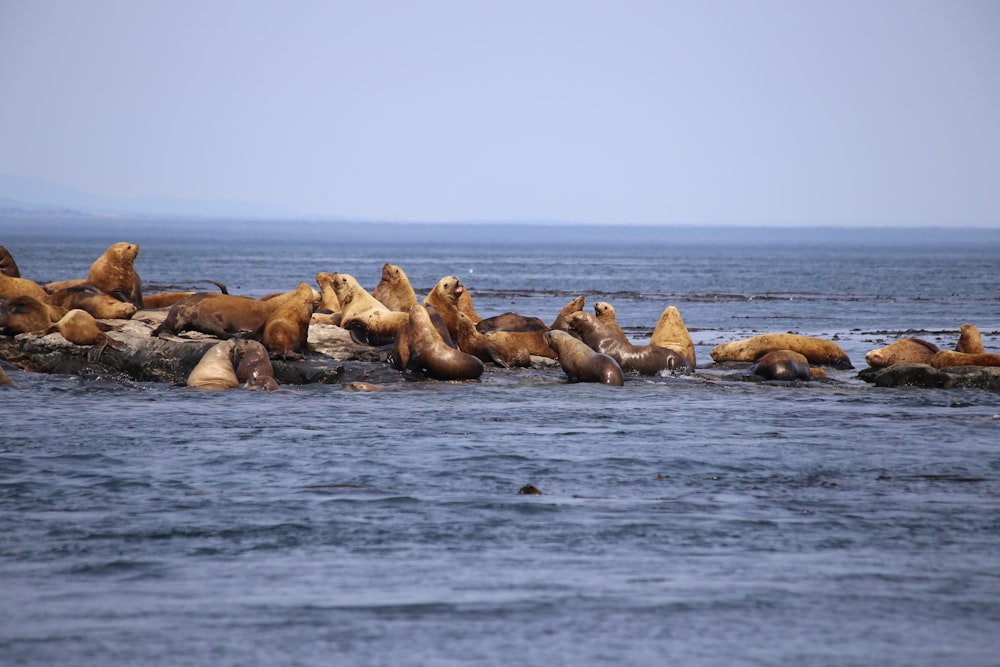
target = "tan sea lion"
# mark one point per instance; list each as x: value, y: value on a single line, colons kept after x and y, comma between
x: 816, y: 350
x: 11, y: 288
x: 254, y: 370
x: 100, y: 304
x: 445, y: 297
x: 581, y: 363
x: 394, y: 290
x: 575, y: 305
x: 328, y: 301
x: 641, y: 359
x: 219, y: 315
x: 670, y: 332
x: 970, y: 341
x: 215, y: 370
x: 167, y: 299
x: 783, y: 365
x: 400, y: 355
x: 114, y: 272
x: 367, y: 318
x: 605, y: 313
x: 903, y: 351
x: 285, y: 332
x: 8, y: 266
x: 472, y: 341
x: 429, y: 353
x: 26, y: 314
x: 80, y: 328
x: 946, y: 358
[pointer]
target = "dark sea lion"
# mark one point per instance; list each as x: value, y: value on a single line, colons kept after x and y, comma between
x: 903, y: 351
x: 80, y: 328
x: 114, y: 272
x: 100, y: 304
x: 641, y: 359
x: 782, y: 365
x: 430, y: 354
x: 26, y: 314
x: 816, y: 350
x: 581, y: 363
x: 671, y: 332
x: 394, y: 290
x: 8, y: 266
x: 11, y: 288
x: 367, y: 318
x: 970, y: 341
x: 215, y: 369
x: 285, y: 332
x: 254, y: 369
x: 487, y: 348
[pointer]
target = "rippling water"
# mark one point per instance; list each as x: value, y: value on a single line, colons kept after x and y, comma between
x: 684, y: 520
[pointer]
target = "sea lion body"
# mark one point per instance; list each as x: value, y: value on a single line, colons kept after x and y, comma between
x: 4, y: 380
x: 285, y: 333
x: 641, y: 359
x: 430, y: 354
x: 100, y: 304
x: 26, y: 314
x: 80, y: 328
x: 816, y: 350
x: 254, y: 370
x: 782, y: 365
x: 903, y: 351
x: 472, y: 341
x: 8, y: 266
x: 367, y: 318
x: 946, y: 358
x: 510, y: 322
x: 219, y: 315
x: 605, y: 313
x: 394, y: 290
x: 575, y: 305
x: 328, y: 301
x: 11, y: 288
x: 445, y: 296
x: 671, y: 332
x: 114, y: 272
x: 581, y: 363
x: 970, y: 341
x: 215, y: 369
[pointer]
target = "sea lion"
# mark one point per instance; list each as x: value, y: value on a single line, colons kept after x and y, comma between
x: 816, y: 350
x: 80, y: 328
x: 285, y: 332
x: 903, y: 351
x: 328, y: 301
x: 367, y: 318
x: 946, y: 358
x: 26, y: 314
x: 641, y: 359
x: 605, y: 313
x: 4, y: 380
x: 575, y: 305
x: 429, y: 353
x: 215, y: 369
x: 394, y: 290
x: 8, y: 266
x: 219, y: 315
x: 100, y: 304
x: 114, y: 272
x: 11, y: 288
x: 670, y: 332
x: 362, y: 386
x: 510, y: 322
x: 472, y: 341
x: 970, y: 341
x: 400, y: 355
x: 783, y: 365
x: 445, y: 297
x: 581, y: 363
x: 167, y: 299
x: 254, y: 370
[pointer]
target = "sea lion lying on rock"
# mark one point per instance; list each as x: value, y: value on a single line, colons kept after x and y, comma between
x: 581, y: 363
x: 80, y: 328
x: 368, y: 319
x: 816, y: 350
x: 100, y: 304
x: 26, y: 314
x: 219, y: 315
x: 11, y: 288
x: 949, y: 358
x: 903, y: 351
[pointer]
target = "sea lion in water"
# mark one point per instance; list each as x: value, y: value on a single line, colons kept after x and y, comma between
x: 970, y: 341
x: 362, y: 386
x: 816, y: 350
x: 254, y: 370
x: 114, y: 272
x: 215, y: 369
x: 671, y: 332
x: 394, y: 290
x: 285, y: 333
x: 903, y: 351
x: 642, y: 359
x: 367, y: 318
x: 430, y: 354
x: 26, y: 314
x: 100, y: 304
x: 783, y: 365
x: 80, y: 328
x: 8, y: 266
x: 581, y: 363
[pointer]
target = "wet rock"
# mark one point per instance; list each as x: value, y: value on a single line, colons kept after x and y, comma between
x: 926, y: 376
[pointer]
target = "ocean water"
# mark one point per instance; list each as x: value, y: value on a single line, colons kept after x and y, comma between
x: 694, y: 520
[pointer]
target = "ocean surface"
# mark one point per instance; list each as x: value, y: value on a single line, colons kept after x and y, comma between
x: 686, y: 520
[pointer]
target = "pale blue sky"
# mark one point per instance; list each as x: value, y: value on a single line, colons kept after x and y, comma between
x: 726, y: 112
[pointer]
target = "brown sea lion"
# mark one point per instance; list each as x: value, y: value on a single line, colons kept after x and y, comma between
x: 219, y: 315
x: 816, y: 350
x: 114, y: 272
x: 285, y: 332
x: 400, y: 355
x: 605, y: 313
x: 11, y: 288
x: 445, y: 297
x: 100, y: 304
x: 26, y: 314
x: 8, y: 266
x: 488, y: 348
x: 670, y: 332
x: 328, y: 301
x: 167, y: 299
x: 946, y: 358
x: 80, y: 328
x: 903, y: 351
x: 4, y: 380
x: 641, y: 359
x: 362, y: 386
x: 367, y: 318
x: 429, y: 353
x: 394, y: 290
x: 254, y: 370
x: 783, y: 365
x: 970, y: 341
x: 215, y: 370
x: 575, y: 305
x: 581, y: 363
x: 510, y: 322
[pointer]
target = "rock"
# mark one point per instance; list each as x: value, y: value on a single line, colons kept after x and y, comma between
x: 926, y: 376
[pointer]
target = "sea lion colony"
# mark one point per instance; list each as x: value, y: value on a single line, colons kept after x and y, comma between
x: 442, y: 337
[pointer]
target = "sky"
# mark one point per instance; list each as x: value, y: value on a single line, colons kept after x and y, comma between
x: 849, y: 112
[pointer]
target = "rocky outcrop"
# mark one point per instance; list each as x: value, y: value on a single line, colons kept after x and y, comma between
x: 925, y: 375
